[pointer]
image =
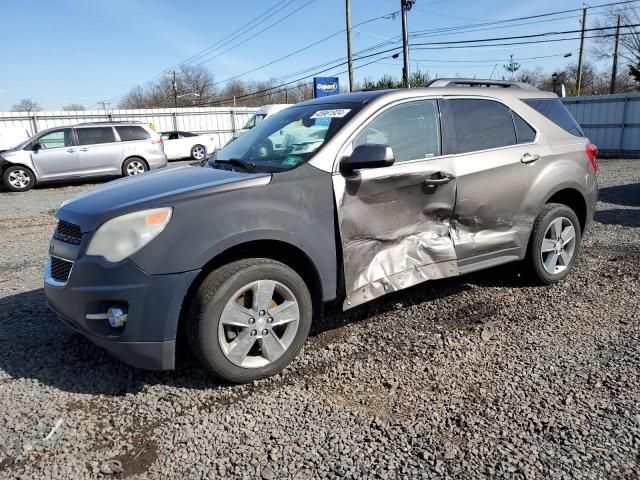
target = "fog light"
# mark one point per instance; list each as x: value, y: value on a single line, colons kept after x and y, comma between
x: 116, y: 317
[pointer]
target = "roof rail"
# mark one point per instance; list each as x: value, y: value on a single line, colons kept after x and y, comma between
x: 473, y: 82
x: 105, y: 122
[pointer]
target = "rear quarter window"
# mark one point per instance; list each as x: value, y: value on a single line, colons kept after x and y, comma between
x: 554, y: 110
x: 132, y: 133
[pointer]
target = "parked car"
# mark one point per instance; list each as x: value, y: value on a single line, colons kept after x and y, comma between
x: 398, y: 187
x: 258, y: 117
x: 85, y: 150
x: 12, y: 136
x: 179, y: 145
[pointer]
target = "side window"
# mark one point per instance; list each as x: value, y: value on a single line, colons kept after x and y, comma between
x: 524, y: 132
x: 412, y: 130
x: 56, y: 139
x: 130, y: 133
x: 95, y: 135
x: 482, y: 124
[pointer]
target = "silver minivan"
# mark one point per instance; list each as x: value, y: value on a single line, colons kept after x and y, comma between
x: 85, y: 150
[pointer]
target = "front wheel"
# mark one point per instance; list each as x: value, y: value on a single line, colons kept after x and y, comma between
x: 249, y: 319
x: 554, y: 244
x: 18, y: 178
x: 133, y: 166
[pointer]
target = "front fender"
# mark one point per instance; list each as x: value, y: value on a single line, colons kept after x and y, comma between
x: 295, y: 208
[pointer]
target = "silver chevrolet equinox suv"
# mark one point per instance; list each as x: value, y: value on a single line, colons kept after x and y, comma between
x: 343, y: 198
x: 85, y: 150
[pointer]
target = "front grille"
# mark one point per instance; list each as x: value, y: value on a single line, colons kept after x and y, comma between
x: 68, y: 232
x: 60, y: 269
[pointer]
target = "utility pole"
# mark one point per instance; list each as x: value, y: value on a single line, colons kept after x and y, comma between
x: 584, y: 23
x: 614, y: 69
x: 405, y: 6
x: 175, y: 90
x: 349, y: 51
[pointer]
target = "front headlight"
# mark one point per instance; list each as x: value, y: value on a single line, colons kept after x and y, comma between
x: 123, y: 236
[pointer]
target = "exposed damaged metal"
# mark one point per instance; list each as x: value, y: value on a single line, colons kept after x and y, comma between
x: 395, y: 229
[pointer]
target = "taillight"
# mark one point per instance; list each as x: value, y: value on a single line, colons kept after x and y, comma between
x: 159, y: 141
x: 592, y: 153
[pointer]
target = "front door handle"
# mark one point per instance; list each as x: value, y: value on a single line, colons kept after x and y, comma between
x: 529, y: 158
x: 84, y: 149
x: 71, y: 150
x: 438, y: 178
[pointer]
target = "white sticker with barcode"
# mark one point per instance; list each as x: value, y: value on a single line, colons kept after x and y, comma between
x: 336, y: 113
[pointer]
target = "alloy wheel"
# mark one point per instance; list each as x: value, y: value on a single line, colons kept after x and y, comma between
x: 558, y: 245
x: 258, y: 324
x: 19, y: 179
x: 198, y: 153
x: 135, y: 167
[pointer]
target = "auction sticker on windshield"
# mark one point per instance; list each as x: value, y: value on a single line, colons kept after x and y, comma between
x: 336, y: 113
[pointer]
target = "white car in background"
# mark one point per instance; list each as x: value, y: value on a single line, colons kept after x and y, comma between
x: 178, y: 144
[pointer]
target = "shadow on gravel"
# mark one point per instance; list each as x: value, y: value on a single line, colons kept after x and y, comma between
x: 628, y: 195
x: 619, y: 216
x: 34, y: 345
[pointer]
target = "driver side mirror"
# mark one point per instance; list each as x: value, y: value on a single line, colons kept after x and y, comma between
x: 367, y: 156
x: 36, y: 146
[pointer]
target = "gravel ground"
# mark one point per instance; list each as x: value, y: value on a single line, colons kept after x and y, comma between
x: 482, y: 376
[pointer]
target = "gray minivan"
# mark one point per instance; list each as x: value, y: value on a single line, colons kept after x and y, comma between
x: 372, y: 192
x: 85, y: 150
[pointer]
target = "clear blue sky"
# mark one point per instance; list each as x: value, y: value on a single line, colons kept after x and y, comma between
x: 62, y: 51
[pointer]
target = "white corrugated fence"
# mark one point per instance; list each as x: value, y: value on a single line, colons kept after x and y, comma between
x: 221, y: 122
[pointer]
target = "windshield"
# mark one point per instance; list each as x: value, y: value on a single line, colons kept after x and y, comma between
x: 287, y: 139
x: 253, y: 121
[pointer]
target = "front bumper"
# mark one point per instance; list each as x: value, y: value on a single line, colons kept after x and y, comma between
x: 152, y: 303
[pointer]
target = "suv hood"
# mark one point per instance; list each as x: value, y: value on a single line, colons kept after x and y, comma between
x: 160, y: 188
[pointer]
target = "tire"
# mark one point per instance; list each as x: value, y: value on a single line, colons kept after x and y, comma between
x: 198, y: 152
x: 134, y: 166
x: 18, y: 178
x: 559, y: 256
x: 215, y: 304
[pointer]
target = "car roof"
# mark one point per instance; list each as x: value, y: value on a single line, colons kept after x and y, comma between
x: 366, y: 96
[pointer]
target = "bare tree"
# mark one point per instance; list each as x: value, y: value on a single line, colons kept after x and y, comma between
x: 629, y: 50
x: 73, y: 107
x: 26, y: 105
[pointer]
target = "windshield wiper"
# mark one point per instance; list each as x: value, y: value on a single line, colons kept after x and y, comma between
x: 238, y: 162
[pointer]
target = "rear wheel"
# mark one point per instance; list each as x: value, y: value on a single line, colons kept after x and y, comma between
x: 249, y: 319
x: 198, y: 152
x: 134, y: 166
x: 18, y: 178
x: 554, y: 244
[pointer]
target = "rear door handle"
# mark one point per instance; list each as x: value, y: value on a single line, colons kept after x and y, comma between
x: 84, y: 149
x: 438, y: 178
x: 529, y: 158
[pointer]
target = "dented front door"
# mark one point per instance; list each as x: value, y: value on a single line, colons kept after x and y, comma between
x: 394, y: 221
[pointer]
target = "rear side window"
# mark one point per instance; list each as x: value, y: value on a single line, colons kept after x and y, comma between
x: 524, y: 132
x: 482, y: 124
x: 131, y: 132
x: 95, y: 135
x: 554, y: 110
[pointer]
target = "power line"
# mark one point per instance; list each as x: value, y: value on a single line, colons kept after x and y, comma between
x: 530, y: 42
x: 306, y: 47
x: 534, y: 35
x: 224, y: 41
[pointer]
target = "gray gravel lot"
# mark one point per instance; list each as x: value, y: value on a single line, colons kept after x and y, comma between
x: 483, y: 376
